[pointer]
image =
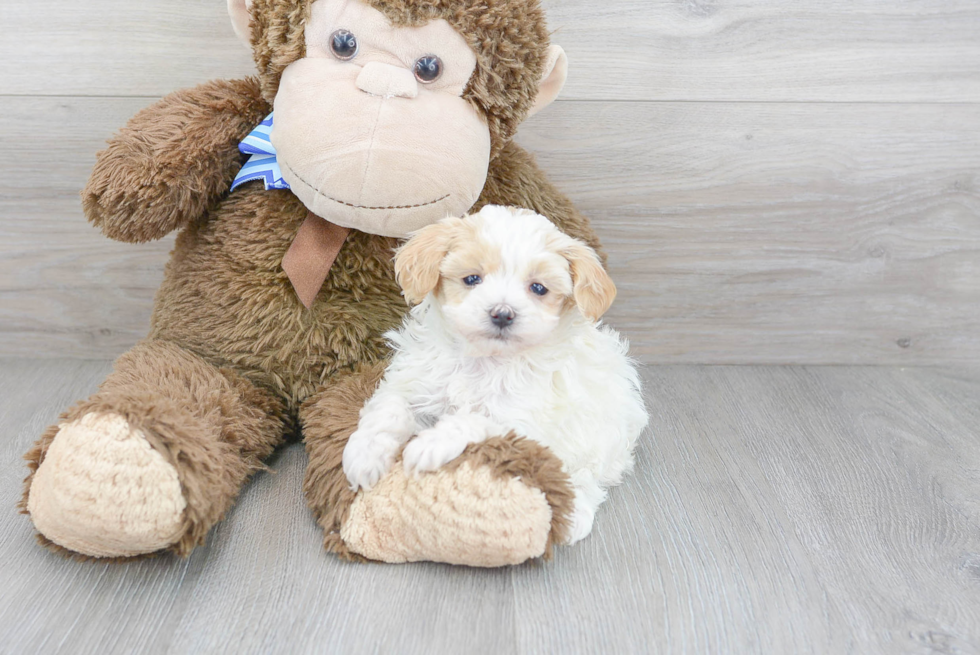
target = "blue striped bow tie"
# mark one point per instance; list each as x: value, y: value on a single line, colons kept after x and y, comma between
x: 262, y: 165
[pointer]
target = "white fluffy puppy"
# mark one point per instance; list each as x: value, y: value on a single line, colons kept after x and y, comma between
x: 504, y: 337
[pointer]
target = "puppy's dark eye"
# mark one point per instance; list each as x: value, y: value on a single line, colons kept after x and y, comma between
x: 343, y: 45
x: 428, y: 69
x: 472, y: 280
x: 539, y: 289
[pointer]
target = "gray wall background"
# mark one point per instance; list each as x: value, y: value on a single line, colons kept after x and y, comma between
x: 778, y: 182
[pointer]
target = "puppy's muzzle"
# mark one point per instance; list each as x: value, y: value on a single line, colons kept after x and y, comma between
x: 502, y: 316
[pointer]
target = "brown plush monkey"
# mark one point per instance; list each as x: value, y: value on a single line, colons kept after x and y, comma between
x: 389, y: 115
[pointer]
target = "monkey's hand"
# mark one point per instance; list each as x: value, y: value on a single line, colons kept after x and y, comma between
x: 172, y: 160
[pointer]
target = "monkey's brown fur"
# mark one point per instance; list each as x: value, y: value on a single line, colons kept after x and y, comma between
x: 233, y: 360
x: 211, y: 424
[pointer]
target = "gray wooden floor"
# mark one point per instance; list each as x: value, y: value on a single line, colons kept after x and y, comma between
x: 773, y: 509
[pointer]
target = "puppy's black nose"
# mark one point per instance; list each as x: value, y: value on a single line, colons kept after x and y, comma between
x: 502, y: 316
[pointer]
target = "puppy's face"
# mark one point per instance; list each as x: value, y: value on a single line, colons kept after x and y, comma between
x: 503, y: 277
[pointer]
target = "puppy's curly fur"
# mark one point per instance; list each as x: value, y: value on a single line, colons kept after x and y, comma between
x: 503, y: 339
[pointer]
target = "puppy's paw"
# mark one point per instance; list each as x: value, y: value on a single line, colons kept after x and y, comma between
x: 368, y: 456
x: 581, y: 519
x: 431, y: 449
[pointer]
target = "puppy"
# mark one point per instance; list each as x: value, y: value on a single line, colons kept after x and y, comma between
x: 503, y: 336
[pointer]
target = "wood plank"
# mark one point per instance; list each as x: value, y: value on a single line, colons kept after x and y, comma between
x: 779, y: 50
x: 871, y: 473
x: 780, y: 233
x: 269, y: 587
x: 116, y: 47
x: 65, y: 288
x: 779, y: 510
x: 771, y: 509
x: 694, y: 548
x: 917, y: 50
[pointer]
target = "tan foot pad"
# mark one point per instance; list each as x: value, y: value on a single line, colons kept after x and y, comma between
x: 104, y: 491
x: 467, y: 516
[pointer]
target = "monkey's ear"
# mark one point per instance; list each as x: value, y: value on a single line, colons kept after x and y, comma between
x: 552, y: 80
x: 417, y: 262
x: 593, y: 289
x: 239, y: 12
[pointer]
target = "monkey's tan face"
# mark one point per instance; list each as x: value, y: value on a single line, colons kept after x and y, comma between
x: 371, y: 127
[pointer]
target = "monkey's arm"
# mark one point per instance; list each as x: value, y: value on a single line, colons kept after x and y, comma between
x: 515, y: 179
x: 172, y: 160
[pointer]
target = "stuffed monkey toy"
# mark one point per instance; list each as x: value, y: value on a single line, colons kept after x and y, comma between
x: 377, y: 117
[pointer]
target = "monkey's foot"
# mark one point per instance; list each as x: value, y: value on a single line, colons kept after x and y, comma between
x: 103, y: 490
x: 502, y: 502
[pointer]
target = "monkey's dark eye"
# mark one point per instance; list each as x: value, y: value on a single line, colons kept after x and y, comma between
x: 428, y: 69
x: 539, y: 289
x: 472, y: 280
x: 343, y: 45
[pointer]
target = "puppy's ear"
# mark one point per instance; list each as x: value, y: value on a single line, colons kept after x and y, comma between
x: 593, y: 289
x: 417, y: 262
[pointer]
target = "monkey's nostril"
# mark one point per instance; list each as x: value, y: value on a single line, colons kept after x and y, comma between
x: 502, y: 316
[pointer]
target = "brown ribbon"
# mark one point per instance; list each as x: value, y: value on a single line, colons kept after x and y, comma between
x: 312, y: 253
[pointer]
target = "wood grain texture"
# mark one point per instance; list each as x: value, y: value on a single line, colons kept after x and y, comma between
x: 65, y: 288
x: 915, y: 50
x: 781, y: 233
x: 782, y: 50
x: 770, y: 232
x: 771, y: 510
x: 116, y: 47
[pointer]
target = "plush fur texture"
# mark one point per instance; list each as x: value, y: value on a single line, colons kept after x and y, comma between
x: 328, y: 420
x: 212, y: 425
x: 460, y: 374
x: 509, y: 37
x: 172, y: 161
x: 234, y: 363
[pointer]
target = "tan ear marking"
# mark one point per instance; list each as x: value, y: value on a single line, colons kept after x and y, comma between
x: 593, y: 289
x: 417, y: 262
